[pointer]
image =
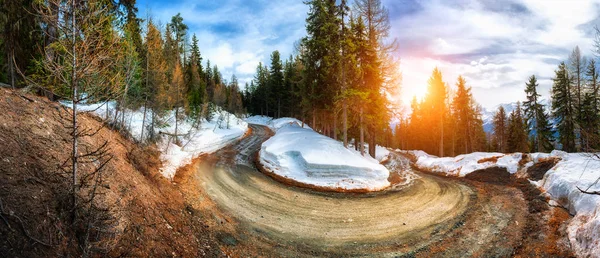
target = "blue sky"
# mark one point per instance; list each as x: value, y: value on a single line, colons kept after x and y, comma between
x: 495, y: 44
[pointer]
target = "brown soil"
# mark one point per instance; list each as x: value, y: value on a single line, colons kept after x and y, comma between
x: 538, y: 170
x: 540, y: 230
x: 152, y: 220
x: 493, y: 159
x: 492, y: 175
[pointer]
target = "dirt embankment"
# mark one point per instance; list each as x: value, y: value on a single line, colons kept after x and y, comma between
x: 148, y: 214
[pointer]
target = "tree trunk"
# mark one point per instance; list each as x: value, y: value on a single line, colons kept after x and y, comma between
x: 75, y: 99
x: 362, y: 133
x: 144, y: 120
x: 314, y: 119
x: 176, y: 115
x: 334, y: 126
x: 372, y: 144
x: 151, y: 133
x: 442, y: 137
x: 345, y: 118
x: 11, y: 67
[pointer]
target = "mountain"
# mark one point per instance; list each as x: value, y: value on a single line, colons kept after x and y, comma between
x: 488, y: 115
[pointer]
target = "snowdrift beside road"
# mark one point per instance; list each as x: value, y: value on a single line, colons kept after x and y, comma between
x: 464, y: 164
x: 198, y: 138
x: 307, y: 157
x: 573, y: 170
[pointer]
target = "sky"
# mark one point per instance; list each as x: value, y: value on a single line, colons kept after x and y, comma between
x: 496, y: 45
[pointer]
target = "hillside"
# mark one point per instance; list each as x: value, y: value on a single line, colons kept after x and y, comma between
x: 145, y: 214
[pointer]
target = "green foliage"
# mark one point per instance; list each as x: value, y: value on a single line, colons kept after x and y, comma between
x: 537, y: 118
x: 517, y: 131
x: 467, y: 119
x: 562, y: 108
x: 500, y: 135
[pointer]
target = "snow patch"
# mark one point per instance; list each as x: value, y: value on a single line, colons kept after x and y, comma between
x: 462, y: 165
x: 198, y: 137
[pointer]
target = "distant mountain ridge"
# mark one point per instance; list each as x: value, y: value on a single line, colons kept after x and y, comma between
x: 487, y: 115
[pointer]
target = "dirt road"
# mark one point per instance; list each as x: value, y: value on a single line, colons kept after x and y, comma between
x: 420, y: 219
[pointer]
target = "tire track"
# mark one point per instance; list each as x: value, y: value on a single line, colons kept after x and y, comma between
x: 394, y: 221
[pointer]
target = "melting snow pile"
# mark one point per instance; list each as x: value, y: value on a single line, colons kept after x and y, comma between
x: 561, y: 183
x: 305, y: 156
x: 195, y: 137
x: 462, y: 165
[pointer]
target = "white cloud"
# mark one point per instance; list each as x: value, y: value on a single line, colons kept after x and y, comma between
x: 496, y: 46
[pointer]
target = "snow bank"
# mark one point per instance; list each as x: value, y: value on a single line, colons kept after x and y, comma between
x: 259, y: 120
x: 560, y: 183
x: 305, y: 156
x: 198, y: 138
x: 462, y: 165
x: 274, y: 124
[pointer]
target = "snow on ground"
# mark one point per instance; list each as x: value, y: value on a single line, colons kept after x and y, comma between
x: 560, y: 183
x: 259, y: 120
x: 308, y: 157
x: 462, y: 165
x: 208, y: 137
x: 274, y: 124
x: 194, y: 138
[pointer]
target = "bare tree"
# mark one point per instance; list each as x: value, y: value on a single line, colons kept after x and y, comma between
x: 82, y: 61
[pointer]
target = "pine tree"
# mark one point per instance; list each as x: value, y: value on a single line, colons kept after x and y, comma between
x: 195, y: 84
x: 577, y: 64
x: 536, y: 118
x: 20, y: 32
x: 415, y: 132
x: 180, y: 30
x: 380, y: 72
x: 562, y: 108
x: 464, y: 117
x: 321, y: 55
x: 275, y: 85
x: 517, y: 131
x: 500, y: 130
x: 435, y: 104
x: 591, y: 110
x: 155, y: 76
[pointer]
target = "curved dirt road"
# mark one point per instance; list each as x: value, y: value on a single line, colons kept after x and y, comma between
x: 310, y: 222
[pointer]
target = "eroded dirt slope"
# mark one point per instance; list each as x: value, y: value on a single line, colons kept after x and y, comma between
x: 150, y: 216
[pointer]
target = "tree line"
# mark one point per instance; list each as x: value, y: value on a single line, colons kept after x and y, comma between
x: 446, y: 122
x: 341, y: 77
x: 572, y: 124
x: 142, y: 63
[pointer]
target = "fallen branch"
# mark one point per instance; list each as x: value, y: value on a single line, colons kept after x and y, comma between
x: 171, y: 134
x: 22, y: 224
x: 588, y: 192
